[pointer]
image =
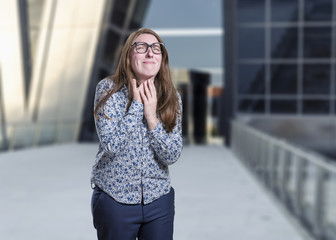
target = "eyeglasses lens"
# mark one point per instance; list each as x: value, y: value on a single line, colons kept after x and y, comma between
x: 143, y: 47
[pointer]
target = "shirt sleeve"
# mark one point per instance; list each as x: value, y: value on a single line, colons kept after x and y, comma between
x: 114, y: 132
x: 168, y: 146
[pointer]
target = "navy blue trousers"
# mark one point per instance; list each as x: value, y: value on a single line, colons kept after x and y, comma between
x: 117, y: 221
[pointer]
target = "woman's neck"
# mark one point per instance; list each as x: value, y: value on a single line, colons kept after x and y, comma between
x: 142, y: 80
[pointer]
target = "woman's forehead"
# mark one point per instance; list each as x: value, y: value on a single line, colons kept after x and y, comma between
x: 146, y: 37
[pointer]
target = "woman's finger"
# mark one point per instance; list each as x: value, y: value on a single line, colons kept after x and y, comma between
x: 135, y: 90
x: 147, y: 90
x: 152, y: 88
x: 142, y: 93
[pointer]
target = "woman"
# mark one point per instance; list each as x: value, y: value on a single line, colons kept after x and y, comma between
x: 138, y: 121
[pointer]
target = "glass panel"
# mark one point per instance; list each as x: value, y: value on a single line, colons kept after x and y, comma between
x: 111, y: 44
x: 139, y: 14
x: 4, y: 141
x: 284, y: 10
x: 274, y: 166
x: 283, y: 79
x: 293, y: 171
x: 279, y: 175
x: 251, y: 79
x: 318, y: 10
x: 317, y: 42
x: 117, y: 56
x: 283, y: 106
x: 284, y: 42
x: 309, y: 192
x: 329, y: 207
x: 251, y: 11
x: 3, y: 129
x: 10, y: 131
x: 315, y: 106
x: 264, y: 160
x: 251, y: 105
x: 47, y: 133
x: 67, y: 132
x: 269, y: 163
x: 316, y: 78
x: 3, y: 146
x: 24, y: 135
x: 334, y: 80
x: 251, y: 43
x: 35, y: 10
x: 119, y: 12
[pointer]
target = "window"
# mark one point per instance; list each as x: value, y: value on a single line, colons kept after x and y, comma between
x: 318, y: 10
x: 317, y: 42
x: 284, y: 42
x: 284, y: 10
x: 316, y: 78
x: 283, y: 106
x: 111, y: 44
x: 251, y: 42
x: 315, y: 106
x: 251, y: 79
x: 119, y: 12
x: 284, y: 78
x: 251, y: 11
x: 251, y: 106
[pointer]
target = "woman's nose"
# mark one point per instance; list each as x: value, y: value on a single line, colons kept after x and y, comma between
x: 149, y: 52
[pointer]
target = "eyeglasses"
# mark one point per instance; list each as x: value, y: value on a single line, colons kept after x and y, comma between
x: 142, y: 47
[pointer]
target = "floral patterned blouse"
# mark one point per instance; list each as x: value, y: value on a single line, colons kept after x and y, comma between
x: 132, y: 162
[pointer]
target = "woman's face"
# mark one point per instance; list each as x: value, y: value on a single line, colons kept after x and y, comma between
x: 145, y: 65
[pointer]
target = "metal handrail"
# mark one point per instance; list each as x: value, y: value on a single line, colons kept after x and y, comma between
x: 302, y: 180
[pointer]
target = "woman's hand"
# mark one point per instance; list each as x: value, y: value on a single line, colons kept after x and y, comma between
x: 136, y: 90
x: 149, y: 100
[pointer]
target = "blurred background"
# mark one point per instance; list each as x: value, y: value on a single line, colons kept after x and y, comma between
x: 273, y: 70
x: 54, y: 52
x: 257, y: 77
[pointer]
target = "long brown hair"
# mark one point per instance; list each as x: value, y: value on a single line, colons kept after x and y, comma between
x: 168, y: 104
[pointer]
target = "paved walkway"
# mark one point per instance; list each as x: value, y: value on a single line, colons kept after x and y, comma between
x: 45, y: 194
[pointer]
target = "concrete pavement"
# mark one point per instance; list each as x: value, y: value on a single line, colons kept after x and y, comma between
x: 45, y: 194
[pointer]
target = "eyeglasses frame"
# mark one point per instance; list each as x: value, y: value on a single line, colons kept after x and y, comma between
x: 149, y: 46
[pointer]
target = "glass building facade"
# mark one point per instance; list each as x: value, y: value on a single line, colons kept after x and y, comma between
x: 52, y: 54
x: 280, y: 59
x: 286, y: 57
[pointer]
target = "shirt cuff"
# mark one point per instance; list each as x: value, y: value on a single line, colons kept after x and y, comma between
x: 158, y: 133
